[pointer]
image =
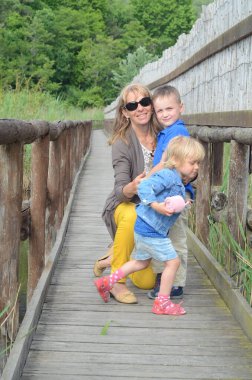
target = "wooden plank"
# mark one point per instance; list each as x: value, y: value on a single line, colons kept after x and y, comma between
x: 151, y: 371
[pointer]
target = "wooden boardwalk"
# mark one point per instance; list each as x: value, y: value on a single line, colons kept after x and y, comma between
x: 206, y: 343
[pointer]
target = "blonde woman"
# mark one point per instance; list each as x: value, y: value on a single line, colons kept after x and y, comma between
x: 133, y: 143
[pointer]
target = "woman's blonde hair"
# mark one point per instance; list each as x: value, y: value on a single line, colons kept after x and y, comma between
x: 121, y: 123
x: 182, y: 147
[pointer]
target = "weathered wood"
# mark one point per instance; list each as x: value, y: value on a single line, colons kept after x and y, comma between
x: 25, y: 221
x: 56, y: 129
x: 12, y: 131
x: 68, y: 165
x: 237, y: 196
x: 202, y: 208
x: 217, y: 165
x: 53, y: 188
x: 36, y: 262
x: 218, y: 200
x: 215, y: 134
x: 223, y: 283
x: 19, y: 352
x: 62, y: 165
x: 249, y: 219
x: 11, y: 174
x: 231, y: 36
x: 239, y: 118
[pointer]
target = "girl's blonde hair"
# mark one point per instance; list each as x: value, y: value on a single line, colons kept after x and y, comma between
x: 121, y: 123
x: 182, y: 147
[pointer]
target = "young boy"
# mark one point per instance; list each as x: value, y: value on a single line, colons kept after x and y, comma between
x: 154, y: 220
x: 168, y: 108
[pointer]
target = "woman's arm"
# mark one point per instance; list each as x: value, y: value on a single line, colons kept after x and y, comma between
x: 125, y: 186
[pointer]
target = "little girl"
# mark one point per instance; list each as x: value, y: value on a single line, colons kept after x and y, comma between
x: 155, y: 216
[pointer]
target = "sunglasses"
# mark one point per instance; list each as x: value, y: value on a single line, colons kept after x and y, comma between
x: 132, y: 106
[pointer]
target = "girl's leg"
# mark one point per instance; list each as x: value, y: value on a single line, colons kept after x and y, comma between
x: 163, y: 304
x: 125, y: 217
x: 105, y: 284
x: 168, y: 276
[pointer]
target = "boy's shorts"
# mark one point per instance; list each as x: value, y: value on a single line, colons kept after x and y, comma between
x: 160, y: 249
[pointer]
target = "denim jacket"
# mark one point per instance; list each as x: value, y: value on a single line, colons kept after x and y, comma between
x: 162, y: 184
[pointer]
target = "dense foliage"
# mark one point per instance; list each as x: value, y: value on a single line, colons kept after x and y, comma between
x: 80, y: 49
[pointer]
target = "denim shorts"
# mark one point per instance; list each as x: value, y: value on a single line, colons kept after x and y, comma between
x: 160, y: 249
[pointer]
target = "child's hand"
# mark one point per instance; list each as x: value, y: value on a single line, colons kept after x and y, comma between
x: 161, y: 208
x: 130, y: 189
x: 137, y: 180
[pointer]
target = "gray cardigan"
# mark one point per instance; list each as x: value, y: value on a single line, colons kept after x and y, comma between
x: 128, y: 163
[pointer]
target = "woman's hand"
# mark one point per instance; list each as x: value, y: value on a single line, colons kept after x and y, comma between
x: 131, y: 189
x: 161, y: 208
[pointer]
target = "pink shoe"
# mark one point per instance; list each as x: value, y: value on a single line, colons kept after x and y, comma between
x: 169, y: 309
x: 102, y: 285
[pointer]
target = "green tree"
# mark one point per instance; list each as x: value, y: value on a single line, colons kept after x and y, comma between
x: 73, y: 48
x: 14, y: 50
x: 164, y: 20
x: 95, y: 63
x: 133, y: 36
x: 129, y: 67
x: 40, y: 64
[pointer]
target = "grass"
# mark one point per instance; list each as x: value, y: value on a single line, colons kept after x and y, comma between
x: 33, y: 105
x: 222, y: 244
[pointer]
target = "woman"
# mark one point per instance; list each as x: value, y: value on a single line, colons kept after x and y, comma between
x: 133, y: 143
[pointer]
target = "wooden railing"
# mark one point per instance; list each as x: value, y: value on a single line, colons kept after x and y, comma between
x: 57, y: 150
x: 231, y: 208
x: 213, y: 130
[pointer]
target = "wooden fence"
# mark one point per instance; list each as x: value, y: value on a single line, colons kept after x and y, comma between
x: 57, y: 150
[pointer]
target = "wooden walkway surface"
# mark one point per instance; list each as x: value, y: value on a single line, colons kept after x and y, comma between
x: 206, y: 343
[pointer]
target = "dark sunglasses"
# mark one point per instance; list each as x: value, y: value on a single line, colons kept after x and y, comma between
x: 132, y: 106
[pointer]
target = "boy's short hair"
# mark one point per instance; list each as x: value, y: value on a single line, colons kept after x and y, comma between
x: 166, y: 90
x: 182, y: 147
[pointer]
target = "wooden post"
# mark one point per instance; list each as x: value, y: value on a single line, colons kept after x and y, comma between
x: 62, y: 140
x: 203, y: 196
x: 53, y: 187
x: 36, y: 260
x: 68, y: 164
x: 217, y: 168
x: 74, y: 154
x: 11, y: 186
x: 237, y: 195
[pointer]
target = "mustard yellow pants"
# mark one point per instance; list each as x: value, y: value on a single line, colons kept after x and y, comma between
x: 125, y: 217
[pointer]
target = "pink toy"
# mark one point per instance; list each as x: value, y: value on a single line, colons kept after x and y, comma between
x: 175, y: 203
